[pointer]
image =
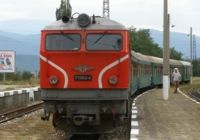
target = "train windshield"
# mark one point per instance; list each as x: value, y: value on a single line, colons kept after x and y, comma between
x: 104, y: 42
x: 62, y: 42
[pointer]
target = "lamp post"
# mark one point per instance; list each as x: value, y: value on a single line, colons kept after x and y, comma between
x: 166, y: 52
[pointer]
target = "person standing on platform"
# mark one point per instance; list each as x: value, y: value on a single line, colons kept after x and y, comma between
x: 176, y: 76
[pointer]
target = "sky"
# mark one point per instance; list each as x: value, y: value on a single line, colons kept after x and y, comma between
x: 136, y: 13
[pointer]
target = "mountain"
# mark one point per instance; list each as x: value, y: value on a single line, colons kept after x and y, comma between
x: 22, y: 36
x: 26, y: 46
x: 22, y: 44
x: 23, y: 26
x: 180, y: 41
x: 27, y: 63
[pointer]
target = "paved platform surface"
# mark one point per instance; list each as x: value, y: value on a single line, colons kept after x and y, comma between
x: 175, y: 119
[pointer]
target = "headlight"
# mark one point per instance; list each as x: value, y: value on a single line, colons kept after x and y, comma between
x: 113, y: 80
x: 83, y: 20
x: 53, y: 80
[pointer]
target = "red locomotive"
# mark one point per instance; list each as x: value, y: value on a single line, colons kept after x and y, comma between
x: 85, y: 69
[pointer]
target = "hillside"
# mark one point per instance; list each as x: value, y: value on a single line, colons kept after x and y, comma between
x: 27, y: 46
x: 180, y: 41
x: 23, y: 26
x: 22, y: 44
x: 27, y: 63
x: 22, y: 34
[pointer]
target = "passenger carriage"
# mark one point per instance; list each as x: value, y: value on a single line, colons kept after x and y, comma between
x: 148, y: 70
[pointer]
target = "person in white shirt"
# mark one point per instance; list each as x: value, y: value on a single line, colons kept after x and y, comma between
x: 176, y: 78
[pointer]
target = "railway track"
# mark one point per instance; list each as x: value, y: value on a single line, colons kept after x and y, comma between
x: 19, y: 112
x: 194, y: 94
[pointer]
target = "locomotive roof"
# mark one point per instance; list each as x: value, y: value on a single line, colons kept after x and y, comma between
x: 101, y: 24
x: 157, y: 60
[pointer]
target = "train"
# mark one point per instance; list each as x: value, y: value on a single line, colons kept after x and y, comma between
x: 88, y: 70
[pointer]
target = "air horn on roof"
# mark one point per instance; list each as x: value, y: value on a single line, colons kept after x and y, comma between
x: 64, y: 12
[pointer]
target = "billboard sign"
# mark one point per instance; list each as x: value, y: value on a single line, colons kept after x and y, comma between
x: 7, y: 61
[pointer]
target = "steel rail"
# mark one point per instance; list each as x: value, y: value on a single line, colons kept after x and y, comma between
x: 10, y: 115
x: 191, y: 93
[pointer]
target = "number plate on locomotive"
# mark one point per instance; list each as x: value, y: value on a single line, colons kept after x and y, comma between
x: 82, y: 77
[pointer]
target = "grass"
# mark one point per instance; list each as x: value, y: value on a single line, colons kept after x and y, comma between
x: 196, y: 81
x: 194, y: 86
x: 25, y: 82
x: 11, y: 85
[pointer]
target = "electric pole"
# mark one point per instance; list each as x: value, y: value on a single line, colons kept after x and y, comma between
x: 191, y: 45
x: 191, y: 50
x: 194, y: 47
x: 194, y: 55
x: 106, y: 8
x: 166, y: 52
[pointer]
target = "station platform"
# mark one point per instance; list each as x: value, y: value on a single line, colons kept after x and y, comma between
x: 156, y: 119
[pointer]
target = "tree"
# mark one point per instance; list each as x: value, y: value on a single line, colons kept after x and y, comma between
x: 18, y: 76
x: 175, y: 54
x: 10, y: 76
x: 27, y: 75
x: 142, y: 42
x: 196, y: 67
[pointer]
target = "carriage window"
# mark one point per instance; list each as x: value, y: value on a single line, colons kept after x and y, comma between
x: 62, y: 42
x: 104, y: 42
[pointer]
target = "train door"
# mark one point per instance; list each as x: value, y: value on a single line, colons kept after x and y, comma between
x: 155, y: 74
x: 152, y: 74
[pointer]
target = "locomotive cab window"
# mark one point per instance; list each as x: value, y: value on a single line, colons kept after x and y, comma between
x: 104, y: 42
x: 63, y: 42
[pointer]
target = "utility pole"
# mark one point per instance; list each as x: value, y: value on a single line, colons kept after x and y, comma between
x: 194, y: 48
x: 191, y: 50
x: 191, y: 45
x: 166, y: 52
x: 168, y: 44
x: 194, y: 55
x: 106, y: 8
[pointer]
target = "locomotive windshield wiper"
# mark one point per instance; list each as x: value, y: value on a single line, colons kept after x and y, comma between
x: 67, y: 36
x: 99, y: 38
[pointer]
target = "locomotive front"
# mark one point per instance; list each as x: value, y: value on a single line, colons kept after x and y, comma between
x: 85, y: 69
